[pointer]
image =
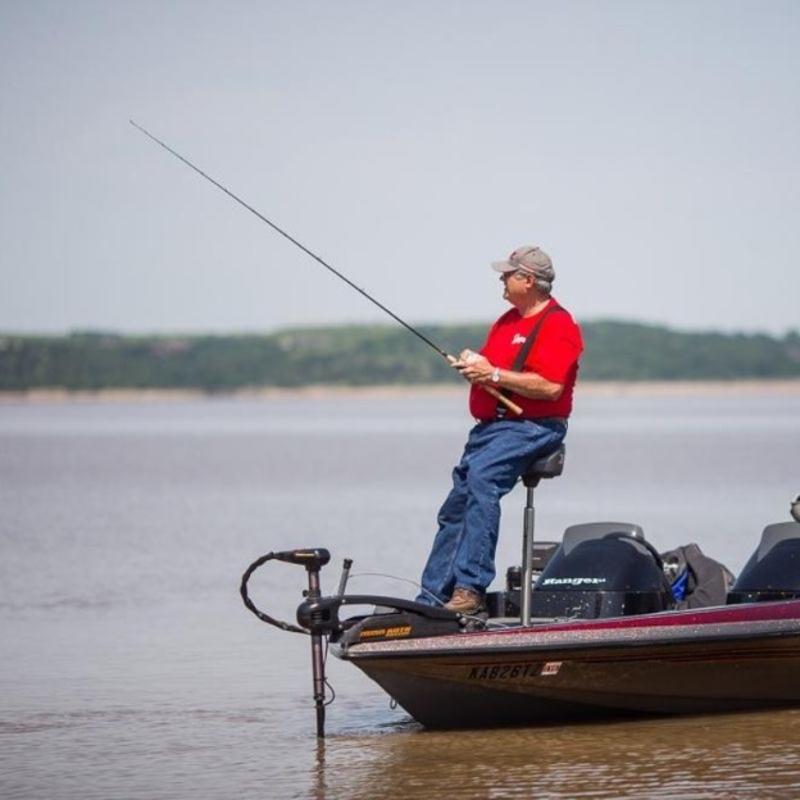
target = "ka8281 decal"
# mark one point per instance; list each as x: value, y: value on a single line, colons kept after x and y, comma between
x: 510, y: 672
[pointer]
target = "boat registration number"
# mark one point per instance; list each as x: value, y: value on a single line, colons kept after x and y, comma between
x: 504, y: 672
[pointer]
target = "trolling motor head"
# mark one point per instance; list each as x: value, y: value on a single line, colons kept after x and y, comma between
x: 312, y: 558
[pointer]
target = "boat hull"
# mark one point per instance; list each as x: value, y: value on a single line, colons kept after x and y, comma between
x: 726, y: 659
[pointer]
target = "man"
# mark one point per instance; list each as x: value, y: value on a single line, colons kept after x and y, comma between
x: 503, y: 444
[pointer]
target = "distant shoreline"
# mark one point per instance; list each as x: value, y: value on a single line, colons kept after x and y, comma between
x: 584, y: 388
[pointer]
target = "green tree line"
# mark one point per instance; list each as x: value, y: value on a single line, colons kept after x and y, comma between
x: 368, y: 355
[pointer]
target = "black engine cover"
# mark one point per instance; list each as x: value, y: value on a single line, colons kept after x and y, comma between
x: 773, y: 571
x: 602, y: 570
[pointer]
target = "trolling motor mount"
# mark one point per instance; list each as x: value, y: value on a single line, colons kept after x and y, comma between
x: 321, y: 615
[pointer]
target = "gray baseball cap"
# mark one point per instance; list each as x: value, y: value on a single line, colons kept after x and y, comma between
x: 531, y: 259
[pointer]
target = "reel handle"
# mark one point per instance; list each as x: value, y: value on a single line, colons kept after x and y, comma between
x: 499, y: 396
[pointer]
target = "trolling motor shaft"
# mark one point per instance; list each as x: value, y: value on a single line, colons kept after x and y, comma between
x: 317, y: 656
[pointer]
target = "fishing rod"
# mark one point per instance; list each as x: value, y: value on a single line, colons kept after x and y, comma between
x: 451, y: 359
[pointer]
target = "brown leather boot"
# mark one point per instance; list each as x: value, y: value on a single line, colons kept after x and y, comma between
x: 465, y: 601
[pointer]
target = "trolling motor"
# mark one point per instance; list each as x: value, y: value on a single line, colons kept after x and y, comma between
x: 313, y: 559
x: 318, y: 616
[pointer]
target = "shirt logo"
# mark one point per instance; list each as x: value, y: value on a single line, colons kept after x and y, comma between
x: 518, y: 339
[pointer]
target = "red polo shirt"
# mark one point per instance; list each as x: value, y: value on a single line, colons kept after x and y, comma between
x: 554, y: 356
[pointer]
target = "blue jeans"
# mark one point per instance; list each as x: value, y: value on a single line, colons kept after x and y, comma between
x: 497, y: 453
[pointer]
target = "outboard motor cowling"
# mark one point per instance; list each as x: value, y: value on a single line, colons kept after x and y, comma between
x: 773, y: 571
x: 602, y: 569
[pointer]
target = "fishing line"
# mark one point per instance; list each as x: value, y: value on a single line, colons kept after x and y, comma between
x: 429, y: 593
x: 294, y: 241
x: 398, y: 578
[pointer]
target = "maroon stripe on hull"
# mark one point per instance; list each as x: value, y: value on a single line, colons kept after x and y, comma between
x: 728, y: 624
x: 720, y: 615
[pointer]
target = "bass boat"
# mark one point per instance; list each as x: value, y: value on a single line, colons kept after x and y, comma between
x: 592, y: 627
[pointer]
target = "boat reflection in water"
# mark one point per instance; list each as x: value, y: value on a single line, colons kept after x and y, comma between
x: 722, y: 756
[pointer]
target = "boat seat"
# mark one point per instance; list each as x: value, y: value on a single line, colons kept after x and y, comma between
x: 549, y: 466
x: 588, y: 531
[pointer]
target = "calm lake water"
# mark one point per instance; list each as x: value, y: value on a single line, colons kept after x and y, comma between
x: 130, y: 668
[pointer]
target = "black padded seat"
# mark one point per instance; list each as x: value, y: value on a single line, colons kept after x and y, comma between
x: 549, y: 466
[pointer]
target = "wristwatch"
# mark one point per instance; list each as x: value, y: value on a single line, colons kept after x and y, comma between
x: 496, y: 375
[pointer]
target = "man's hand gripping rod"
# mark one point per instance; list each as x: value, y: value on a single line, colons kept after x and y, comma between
x: 447, y: 356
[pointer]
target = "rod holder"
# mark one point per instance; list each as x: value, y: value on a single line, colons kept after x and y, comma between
x: 346, y: 564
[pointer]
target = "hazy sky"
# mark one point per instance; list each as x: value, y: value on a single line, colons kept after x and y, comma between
x: 652, y: 148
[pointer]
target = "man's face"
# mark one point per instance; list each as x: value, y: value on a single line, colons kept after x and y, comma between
x: 517, y: 286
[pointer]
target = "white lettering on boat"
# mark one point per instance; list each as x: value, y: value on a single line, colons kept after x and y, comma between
x: 503, y: 672
x: 573, y: 581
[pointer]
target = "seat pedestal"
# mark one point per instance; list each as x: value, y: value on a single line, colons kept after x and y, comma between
x: 550, y: 466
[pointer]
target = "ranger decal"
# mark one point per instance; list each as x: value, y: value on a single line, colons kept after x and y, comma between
x: 572, y: 581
